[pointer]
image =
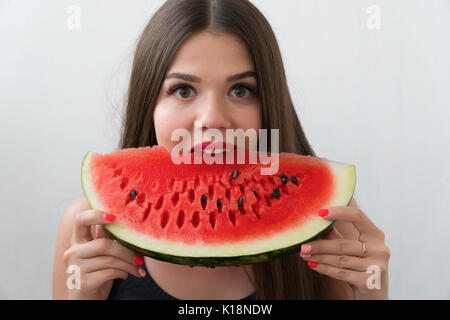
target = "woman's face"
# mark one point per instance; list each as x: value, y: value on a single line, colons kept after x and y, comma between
x: 208, y: 95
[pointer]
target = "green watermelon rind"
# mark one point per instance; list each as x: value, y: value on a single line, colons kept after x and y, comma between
x: 212, y: 262
x: 342, y: 199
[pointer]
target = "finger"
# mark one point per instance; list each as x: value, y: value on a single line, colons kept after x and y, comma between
x: 105, y: 262
x: 356, y: 278
x: 354, y: 215
x: 334, y: 246
x: 101, y: 233
x: 341, y: 261
x: 333, y: 234
x: 104, y: 246
x: 94, y: 280
x: 83, y: 222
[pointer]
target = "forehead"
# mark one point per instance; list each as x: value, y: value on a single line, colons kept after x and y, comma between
x: 221, y: 52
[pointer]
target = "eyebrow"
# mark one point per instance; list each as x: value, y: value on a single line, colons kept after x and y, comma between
x: 191, y: 78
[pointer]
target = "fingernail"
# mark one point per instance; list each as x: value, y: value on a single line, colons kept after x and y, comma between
x: 138, y: 260
x: 306, y: 257
x: 142, y: 272
x: 323, y: 212
x: 312, y: 264
x: 110, y: 217
x: 306, y: 248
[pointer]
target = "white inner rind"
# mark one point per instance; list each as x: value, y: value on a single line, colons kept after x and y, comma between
x: 88, y: 187
x: 345, y: 178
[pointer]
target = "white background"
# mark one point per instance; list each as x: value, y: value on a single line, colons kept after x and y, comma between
x: 376, y: 98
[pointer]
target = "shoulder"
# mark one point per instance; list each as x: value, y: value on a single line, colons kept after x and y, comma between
x: 353, y: 203
x: 71, y: 211
x: 69, y: 215
x: 78, y: 205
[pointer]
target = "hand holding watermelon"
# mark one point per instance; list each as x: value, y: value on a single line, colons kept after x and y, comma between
x: 100, y: 260
x: 352, y: 261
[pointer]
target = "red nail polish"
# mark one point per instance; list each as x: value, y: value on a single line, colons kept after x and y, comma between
x: 138, y: 260
x: 323, y: 212
x: 312, y: 264
x: 110, y: 217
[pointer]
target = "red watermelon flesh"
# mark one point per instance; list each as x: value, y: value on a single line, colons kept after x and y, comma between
x: 214, y: 214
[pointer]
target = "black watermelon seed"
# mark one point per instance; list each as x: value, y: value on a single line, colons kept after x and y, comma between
x: 235, y: 174
x: 275, y: 193
x: 284, y: 178
x: 219, y: 202
x: 240, y: 201
x: 133, y: 194
x: 254, y: 191
x: 203, y: 199
x: 294, y: 180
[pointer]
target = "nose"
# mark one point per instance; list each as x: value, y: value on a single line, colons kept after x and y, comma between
x: 214, y: 113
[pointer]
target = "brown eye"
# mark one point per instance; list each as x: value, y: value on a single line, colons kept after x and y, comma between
x: 184, y: 92
x: 182, y: 89
x: 242, y: 92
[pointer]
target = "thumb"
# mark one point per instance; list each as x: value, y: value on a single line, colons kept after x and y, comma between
x: 101, y: 233
x: 333, y: 234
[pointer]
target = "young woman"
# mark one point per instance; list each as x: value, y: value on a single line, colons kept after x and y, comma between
x: 216, y: 61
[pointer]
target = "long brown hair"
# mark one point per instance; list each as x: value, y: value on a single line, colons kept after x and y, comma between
x: 283, y: 278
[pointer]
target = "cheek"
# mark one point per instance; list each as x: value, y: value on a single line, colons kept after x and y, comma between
x: 166, y: 121
x: 257, y: 121
x: 248, y: 118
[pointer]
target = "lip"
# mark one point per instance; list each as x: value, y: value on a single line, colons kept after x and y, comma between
x: 213, y: 145
x: 200, y: 146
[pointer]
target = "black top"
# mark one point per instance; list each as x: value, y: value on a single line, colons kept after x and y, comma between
x: 146, y: 288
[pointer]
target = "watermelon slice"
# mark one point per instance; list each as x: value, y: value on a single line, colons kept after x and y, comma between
x: 214, y: 214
